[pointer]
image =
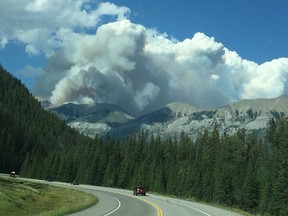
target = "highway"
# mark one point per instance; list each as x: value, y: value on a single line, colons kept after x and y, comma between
x: 118, y: 202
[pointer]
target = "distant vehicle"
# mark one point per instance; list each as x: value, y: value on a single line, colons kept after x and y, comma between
x: 49, y: 179
x: 139, y: 190
x: 75, y: 182
x: 13, y: 174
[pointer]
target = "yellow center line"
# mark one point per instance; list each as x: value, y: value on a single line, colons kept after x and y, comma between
x: 157, y: 207
x: 159, y: 210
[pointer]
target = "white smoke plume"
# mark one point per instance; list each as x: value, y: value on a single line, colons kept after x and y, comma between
x: 141, y: 70
x: 137, y: 68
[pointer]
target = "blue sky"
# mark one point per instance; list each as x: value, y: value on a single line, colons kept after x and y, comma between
x: 256, y: 30
x: 147, y: 53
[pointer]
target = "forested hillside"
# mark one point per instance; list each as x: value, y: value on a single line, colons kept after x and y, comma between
x: 236, y: 171
x: 239, y: 171
x: 26, y: 129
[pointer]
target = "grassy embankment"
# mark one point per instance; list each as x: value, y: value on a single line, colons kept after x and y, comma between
x: 18, y: 197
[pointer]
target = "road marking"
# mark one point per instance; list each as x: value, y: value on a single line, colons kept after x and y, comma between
x: 159, y: 210
x: 196, y: 209
x: 119, y: 205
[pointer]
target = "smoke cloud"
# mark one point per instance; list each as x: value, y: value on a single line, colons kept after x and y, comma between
x: 137, y: 68
x: 141, y: 70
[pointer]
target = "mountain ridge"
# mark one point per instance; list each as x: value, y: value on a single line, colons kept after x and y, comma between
x: 174, y: 118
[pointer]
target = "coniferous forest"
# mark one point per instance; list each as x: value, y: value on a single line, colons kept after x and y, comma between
x: 240, y: 171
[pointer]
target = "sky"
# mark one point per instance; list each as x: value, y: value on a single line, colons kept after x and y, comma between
x: 142, y: 55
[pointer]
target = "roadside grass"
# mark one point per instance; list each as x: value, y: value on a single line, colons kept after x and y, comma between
x: 19, y: 197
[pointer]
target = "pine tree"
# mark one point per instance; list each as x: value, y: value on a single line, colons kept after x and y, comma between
x: 223, y: 175
x: 280, y: 184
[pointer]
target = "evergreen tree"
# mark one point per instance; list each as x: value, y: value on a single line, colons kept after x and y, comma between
x: 280, y: 160
x: 224, y: 172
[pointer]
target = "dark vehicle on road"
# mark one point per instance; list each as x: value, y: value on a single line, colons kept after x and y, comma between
x: 75, y: 182
x: 49, y: 179
x: 139, y: 190
x: 13, y: 174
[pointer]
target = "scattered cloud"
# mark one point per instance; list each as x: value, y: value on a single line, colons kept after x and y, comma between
x: 30, y: 71
x: 39, y: 23
x: 124, y: 63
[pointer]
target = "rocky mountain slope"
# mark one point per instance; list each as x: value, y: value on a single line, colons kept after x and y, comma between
x: 253, y: 115
x: 92, y: 120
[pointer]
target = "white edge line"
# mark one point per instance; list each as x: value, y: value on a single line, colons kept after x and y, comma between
x: 192, y: 208
x: 196, y: 209
x: 130, y: 196
x: 119, y: 205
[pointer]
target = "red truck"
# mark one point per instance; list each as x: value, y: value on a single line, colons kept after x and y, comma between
x: 139, y: 190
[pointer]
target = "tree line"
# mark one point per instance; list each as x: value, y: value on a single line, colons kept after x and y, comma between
x: 25, y: 127
x: 240, y: 171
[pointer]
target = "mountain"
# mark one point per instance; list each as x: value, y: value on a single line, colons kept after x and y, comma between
x: 92, y: 120
x: 28, y: 133
x: 100, y: 119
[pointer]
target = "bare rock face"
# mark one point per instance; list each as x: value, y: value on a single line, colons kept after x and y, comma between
x: 100, y: 119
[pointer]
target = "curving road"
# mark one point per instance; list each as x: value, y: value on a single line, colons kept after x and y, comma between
x: 118, y: 202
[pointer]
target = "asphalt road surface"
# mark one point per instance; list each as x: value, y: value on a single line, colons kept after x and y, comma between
x: 118, y: 202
